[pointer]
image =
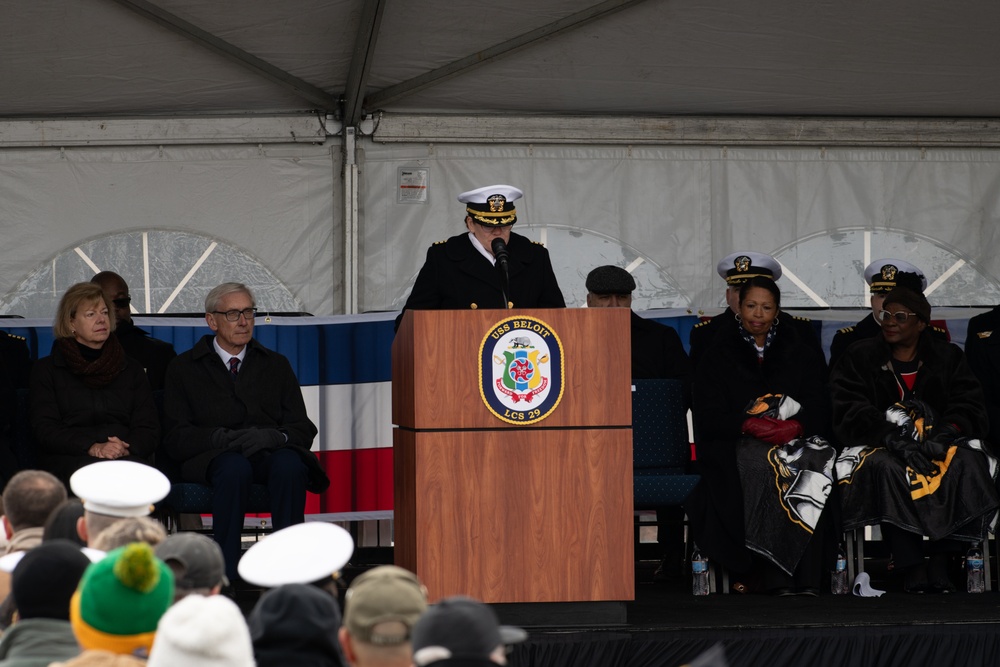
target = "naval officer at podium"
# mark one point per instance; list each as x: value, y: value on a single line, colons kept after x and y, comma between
x: 489, y: 266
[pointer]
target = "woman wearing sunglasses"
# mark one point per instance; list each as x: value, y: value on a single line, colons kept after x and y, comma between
x: 910, y: 415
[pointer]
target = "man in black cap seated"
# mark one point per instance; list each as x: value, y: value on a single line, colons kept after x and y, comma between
x: 736, y: 269
x: 463, y: 632
x: 657, y: 351
x: 153, y: 354
x: 467, y: 271
x: 43, y: 582
x: 882, y: 276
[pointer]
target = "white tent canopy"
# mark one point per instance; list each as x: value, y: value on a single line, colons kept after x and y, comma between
x: 655, y: 134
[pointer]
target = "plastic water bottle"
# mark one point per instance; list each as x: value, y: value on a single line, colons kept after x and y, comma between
x: 974, y: 570
x: 699, y: 573
x: 838, y: 578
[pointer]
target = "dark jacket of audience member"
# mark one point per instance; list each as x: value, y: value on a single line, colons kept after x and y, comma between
x: 864, y: 388
x: 728, y: 378
x: 296, y: 624
x: 43, y: 583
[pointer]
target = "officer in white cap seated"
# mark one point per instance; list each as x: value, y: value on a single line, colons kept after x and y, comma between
x: 736, y: 269
x: 882, y: 276
x: 114, y: 490
x: 306, y: 553
x: 467, y: 271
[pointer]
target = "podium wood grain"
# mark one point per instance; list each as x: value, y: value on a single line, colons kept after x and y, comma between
x: 504, y: 512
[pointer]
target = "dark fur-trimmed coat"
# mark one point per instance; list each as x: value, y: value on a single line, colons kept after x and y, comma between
x: 727, y: 378
x: 862, y: 386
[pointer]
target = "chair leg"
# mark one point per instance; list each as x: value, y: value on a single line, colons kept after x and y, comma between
x: 851, y: 556
x: 987, y: 577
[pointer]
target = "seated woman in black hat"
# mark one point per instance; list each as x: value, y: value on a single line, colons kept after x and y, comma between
x: 909, y: 413
x: 760, y: 410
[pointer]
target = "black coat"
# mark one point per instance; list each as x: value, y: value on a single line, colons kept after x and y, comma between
x: 703, y: 332
x: 982, y: 349
x: 201, y: 397
x: 862, y: 386
x: 15, y: 366
x: 866, y: 328
x: 67, y: 416
x: 456, y: 276
x: 728, y: 377
x: 152, y: 354
x: 657, y: 351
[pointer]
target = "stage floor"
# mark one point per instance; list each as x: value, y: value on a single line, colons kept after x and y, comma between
x: 668, y: 626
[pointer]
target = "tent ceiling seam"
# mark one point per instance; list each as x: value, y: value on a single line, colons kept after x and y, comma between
x: 303, y: 89
x: 468, y: 63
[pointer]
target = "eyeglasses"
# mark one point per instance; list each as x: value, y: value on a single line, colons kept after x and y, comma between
x: 234, y: 315
x: 899, y: 316
x: 122, y: 302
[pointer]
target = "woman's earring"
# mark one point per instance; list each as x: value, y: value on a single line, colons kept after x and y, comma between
x: 739, y: 318
x: 776, y: 320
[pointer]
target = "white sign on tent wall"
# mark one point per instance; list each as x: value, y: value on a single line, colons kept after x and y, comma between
x: 411, y: 185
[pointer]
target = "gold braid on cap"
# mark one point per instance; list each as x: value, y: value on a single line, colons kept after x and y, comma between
x: 743, y: 277
x: 498, y: 218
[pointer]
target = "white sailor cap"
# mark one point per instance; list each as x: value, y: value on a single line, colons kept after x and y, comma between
x: 9, y: 561
x: 300, y: 554
x: 492, y: 205
x: 881, y: 274
x: 119, y: 488
x: 738, y: 267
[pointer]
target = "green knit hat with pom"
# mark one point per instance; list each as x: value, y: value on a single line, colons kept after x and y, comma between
x: 121, y: 599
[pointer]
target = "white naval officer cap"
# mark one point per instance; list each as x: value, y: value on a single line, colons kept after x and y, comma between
x: 738, y: 267
x: 881, y: 274
x: 300, y: 554
x: 119, y: 488
x: 492, y: 205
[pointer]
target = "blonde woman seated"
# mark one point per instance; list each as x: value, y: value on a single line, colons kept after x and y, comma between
x: 87, y: 401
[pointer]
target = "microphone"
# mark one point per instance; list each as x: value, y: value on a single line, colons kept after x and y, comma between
x: 500, y: 252
x: 502, y: 256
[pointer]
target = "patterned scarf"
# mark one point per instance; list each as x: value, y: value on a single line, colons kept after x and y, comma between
x: 748, y: 337
x: 95, y: 373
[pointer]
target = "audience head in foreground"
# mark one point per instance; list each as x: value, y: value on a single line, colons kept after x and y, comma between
x: 197, y: 564
x: 202, y: 632
x: 459, y: 632
x: 120, y: 601
x: 380, y: 609
x: 295, y: 624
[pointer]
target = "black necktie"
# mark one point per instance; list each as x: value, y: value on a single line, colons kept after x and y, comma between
x: 234, y: 365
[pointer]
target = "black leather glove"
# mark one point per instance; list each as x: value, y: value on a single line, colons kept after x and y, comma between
x: 936, y: 447
x: 222, y: 438
x: 253, y: 440
x: 909, y: 451
x: 920, y: 463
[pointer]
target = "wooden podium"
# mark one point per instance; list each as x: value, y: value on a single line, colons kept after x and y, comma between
x: 528, y: 501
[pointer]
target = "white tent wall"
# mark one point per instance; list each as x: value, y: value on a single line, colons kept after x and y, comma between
x: 275, y: 203
x: 673, y: 212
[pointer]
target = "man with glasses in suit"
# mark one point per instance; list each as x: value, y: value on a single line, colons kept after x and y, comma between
x: 235, y: 416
